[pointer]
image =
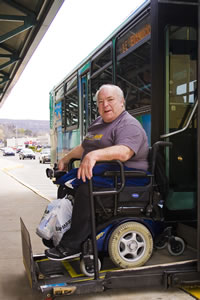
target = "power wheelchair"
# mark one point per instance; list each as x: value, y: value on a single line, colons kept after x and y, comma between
x: 127, y: 222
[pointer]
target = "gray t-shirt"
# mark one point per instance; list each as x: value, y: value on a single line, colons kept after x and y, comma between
x: 125, y: 130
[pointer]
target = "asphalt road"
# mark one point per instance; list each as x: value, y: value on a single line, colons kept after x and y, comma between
x: 24, y: 191
x: 31, y: 173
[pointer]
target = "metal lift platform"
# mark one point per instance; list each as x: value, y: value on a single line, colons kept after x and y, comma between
x: 56, y: 278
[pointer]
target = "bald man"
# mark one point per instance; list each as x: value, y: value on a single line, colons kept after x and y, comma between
x: 114, y: 135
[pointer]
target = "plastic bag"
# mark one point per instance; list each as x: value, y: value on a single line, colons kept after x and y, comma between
x: 47, y: 223
x: 63, y: 219
x: 56, y: 220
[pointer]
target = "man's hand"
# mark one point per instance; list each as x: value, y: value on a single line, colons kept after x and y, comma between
x: 61, y: 165
x: 74, y: 153
x: 121, y: 152
x: 86, y: 166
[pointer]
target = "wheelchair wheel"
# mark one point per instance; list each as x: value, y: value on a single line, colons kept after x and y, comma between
x: 88, y: 270
x: 161, y: 243
x: 130, y: 245
x: 176, y: 246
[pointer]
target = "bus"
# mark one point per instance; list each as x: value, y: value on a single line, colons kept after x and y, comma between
x: 154, y: 57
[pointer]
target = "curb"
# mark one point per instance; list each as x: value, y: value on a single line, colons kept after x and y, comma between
x: 6, y: 171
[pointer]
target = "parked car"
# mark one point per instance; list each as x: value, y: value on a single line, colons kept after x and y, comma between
x: 8, y: 152
x: 45, y: 156
x: 26, y: 153
x: 19, y: 149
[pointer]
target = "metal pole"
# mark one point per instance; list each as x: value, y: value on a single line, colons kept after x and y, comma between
x: 198, y: 145
x: 93, y: 227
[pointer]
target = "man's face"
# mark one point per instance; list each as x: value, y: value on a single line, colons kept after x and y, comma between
x: 110, y: 106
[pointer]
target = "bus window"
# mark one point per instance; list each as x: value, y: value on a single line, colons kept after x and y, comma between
x: 181, y: 86
x: 70, y: 108
x: 103, y: 58
x: 101, y: 72
x: 182, y: 72
x: 68, y: 135
x: 134, y: 77
x: 133, y: 73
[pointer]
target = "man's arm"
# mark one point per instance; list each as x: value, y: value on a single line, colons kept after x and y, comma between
x: 120, y: 152
x: 74, y: 153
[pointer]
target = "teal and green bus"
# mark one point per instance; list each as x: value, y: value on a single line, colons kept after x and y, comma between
x: 153, y: 57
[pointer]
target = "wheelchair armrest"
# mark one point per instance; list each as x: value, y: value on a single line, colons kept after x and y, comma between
x: 127, y: 173
x: 70, y: 164
x: 54, y: 173
x: 121, y: 175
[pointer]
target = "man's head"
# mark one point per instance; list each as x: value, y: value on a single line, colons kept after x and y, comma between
x: 110, y: 101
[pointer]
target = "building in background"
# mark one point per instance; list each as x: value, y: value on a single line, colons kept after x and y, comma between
x: 43, y: 141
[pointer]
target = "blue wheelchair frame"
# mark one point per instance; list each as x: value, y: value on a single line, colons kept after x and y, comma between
x: 148, y: 199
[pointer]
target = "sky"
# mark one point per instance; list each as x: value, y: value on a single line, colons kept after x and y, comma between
x: 78, y: 28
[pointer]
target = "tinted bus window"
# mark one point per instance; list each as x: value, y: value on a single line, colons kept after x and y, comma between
x: 133, y: 72
x: 101, y: 73
x: 103, y: 58
x: 181, y: 98
x: 70, y: 107
x: 134, y: 77
x: 134, y: 35
x: 133, y: 68
x: 182, y: 74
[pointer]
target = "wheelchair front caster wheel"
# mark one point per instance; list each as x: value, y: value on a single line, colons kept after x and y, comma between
x: 88, y: 270
x: 176, y: 246
x: 161, y: 244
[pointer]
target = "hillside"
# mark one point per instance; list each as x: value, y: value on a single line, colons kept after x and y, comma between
x: 34, y: 125
x: 11, y: 128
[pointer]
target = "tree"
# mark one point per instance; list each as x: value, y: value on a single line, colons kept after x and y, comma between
x: 28, y: 132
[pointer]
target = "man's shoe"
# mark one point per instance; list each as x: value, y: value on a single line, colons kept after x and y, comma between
x: 60, y: 253
x: 48, y: 243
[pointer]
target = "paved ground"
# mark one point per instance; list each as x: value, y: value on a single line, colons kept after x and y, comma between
x: 16, y: 201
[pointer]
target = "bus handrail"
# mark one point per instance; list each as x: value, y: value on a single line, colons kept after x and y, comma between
x: 186, y: 126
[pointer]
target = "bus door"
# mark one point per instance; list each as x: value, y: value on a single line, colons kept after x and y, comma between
x: 85, y: 105
x: 181, y: 120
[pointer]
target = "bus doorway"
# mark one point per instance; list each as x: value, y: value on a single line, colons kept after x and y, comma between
x: 181, y: 121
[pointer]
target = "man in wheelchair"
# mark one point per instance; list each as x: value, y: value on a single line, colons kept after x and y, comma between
x: 114, y: 135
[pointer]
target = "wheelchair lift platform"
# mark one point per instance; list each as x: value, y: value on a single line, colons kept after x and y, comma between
x: 57, y: 278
